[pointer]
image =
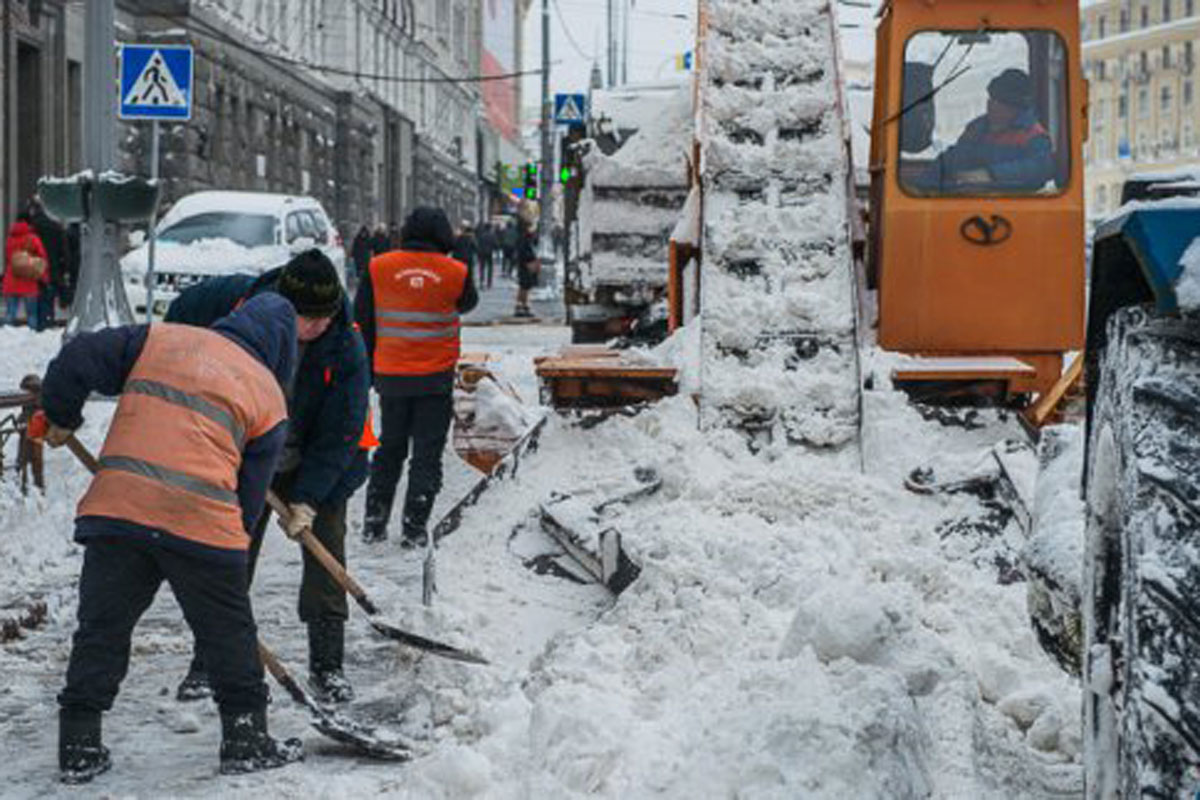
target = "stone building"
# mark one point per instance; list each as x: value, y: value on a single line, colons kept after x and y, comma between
x: 368, y: 105
x: 41, y: 73
x: 1140, y: 58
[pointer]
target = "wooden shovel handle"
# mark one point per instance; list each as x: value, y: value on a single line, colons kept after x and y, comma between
x: 325, y: 558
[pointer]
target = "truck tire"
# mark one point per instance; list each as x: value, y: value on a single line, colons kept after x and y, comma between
x: 1141, y: 590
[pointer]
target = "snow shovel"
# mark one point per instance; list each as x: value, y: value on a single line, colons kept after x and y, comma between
x: 330, y: 723
x: 337, y: 727
x: 352, y: 587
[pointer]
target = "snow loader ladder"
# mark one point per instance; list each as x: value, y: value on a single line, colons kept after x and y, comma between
x: 779, y: 354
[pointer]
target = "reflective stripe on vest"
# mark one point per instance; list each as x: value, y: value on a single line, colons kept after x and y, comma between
x: 416, y: 312
x: 174, y: 449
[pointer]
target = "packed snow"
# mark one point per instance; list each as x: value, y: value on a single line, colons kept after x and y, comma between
x: 799, y: 629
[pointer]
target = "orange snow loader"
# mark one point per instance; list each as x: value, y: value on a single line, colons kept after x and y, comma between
x: 976, y: 232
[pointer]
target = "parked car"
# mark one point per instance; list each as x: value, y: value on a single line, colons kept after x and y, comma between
x: 221, y: 233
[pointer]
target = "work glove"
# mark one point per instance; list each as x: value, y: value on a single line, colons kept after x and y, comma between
x: 40, y: 427
x: 300, y: 519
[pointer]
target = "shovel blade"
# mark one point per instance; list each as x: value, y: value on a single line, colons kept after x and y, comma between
x: 365, y: 740
x: 427, y: 645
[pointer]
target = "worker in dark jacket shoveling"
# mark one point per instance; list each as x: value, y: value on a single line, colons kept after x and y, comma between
x: 199, y: 426
x: 325, y: 458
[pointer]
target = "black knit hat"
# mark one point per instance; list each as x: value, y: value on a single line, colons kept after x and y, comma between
x: 1012, y: 87
x: 310, y: 282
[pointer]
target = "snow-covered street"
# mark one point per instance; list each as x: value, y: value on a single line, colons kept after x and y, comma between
x: 799, y: 629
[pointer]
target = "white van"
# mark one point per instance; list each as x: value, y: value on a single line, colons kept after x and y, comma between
x: 226, y: 233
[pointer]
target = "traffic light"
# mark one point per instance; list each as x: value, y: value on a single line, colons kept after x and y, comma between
x: 531, y: 181
x: 566, y: 173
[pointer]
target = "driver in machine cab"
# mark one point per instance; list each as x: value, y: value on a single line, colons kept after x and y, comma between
x: 1006, y: 147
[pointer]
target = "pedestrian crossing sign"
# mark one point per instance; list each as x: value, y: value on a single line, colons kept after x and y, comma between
x: 156, y: 82
x: 568, y: 109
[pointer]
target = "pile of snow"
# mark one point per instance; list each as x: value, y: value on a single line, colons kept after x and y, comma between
x: 798, y: 629
x: 657, y: 154
x: 1187, y: 288
x: 776, y: 288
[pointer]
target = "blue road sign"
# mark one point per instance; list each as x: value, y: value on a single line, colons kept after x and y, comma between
x: 156, y: 82
x: 569, y: 109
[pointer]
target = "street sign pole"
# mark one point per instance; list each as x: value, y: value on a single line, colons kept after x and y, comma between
x: 153, y: 235
x: 546, y: 173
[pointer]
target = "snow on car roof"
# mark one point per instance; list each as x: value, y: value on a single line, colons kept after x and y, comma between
x: 265, y: 203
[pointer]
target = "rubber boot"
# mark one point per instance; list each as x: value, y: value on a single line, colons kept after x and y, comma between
x: 81, y: 756
x: 247, y: 747
x: 195, y: 685
x: 378, y: 511
x: 417, y: 509
x: 326, y: 648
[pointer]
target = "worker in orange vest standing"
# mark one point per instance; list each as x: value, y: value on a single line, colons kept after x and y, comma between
x: 198, y: 429
x: 408, y: 311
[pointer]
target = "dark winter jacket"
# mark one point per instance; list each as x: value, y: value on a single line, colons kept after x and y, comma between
x: 465, y: 250
x: 425, y: 231
x: 101, y: 362
x: 360, y: 251
x: 1018, y: 158
x: 328, y: 403
x: 54, y: 239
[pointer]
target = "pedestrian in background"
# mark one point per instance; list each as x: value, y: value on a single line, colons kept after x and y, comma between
x: 26, y: 270
x: 54, y: 240
x: 465, y: 249
x: 508, y: 243
x: 409, y: 312
x: 381, y: 241
x: 360, y: 255
x: 200, y: 423
x: 529, y: 266
x: 485, y: 245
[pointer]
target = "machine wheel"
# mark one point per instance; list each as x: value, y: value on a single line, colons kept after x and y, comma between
x: 1141, y: 591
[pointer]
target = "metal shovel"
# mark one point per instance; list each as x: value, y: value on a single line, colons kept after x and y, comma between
x: 352, y: 587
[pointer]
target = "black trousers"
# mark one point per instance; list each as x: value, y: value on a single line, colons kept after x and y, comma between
x: 119, y: 580
x: 486, y: 269
x: 320, y: 595
x: 419, y: 423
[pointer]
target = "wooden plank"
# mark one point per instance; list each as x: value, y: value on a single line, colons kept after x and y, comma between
x: 1044, y: 408
x: 580, y: 369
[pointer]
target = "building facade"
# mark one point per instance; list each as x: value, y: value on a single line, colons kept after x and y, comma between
x: 371, y: 106
x: 41, y: 58
x: 1140, y: 60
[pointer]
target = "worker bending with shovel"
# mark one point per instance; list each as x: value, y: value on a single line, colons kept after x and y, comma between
x: 325, y: 457
x: 199, y: 426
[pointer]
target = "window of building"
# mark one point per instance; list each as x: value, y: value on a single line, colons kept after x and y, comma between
x: 1187, y: 54
x: 1166, y: 10
x: 1165, y: 95
x: 1101, y: 199
x: 1188, y: 137
x: 1166, y: 56
x: 1101, y: 26
x: 1144, y: 61
x: 1100, y: 70
x: 1189, y: 7
x: 1145, y: 16
x: 1187, y: 93
x: 1143, y: 103
x: 1123, y: 106
x: 1125, y: 20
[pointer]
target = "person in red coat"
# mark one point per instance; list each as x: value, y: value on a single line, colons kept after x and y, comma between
x: 18, y: 290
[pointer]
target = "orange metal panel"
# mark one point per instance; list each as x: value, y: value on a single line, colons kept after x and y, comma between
x: 939, y: 293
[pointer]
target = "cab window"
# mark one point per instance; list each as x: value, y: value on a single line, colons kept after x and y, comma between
x: 984, y: 113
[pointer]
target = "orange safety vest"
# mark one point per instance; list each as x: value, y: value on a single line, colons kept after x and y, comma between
x: 172, y: 454
x: 416, y: 312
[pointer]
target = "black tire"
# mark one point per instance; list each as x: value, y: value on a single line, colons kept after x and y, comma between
x: 1141, y: 589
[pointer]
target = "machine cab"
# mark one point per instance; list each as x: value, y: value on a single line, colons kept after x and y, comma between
x: 977, y: 181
